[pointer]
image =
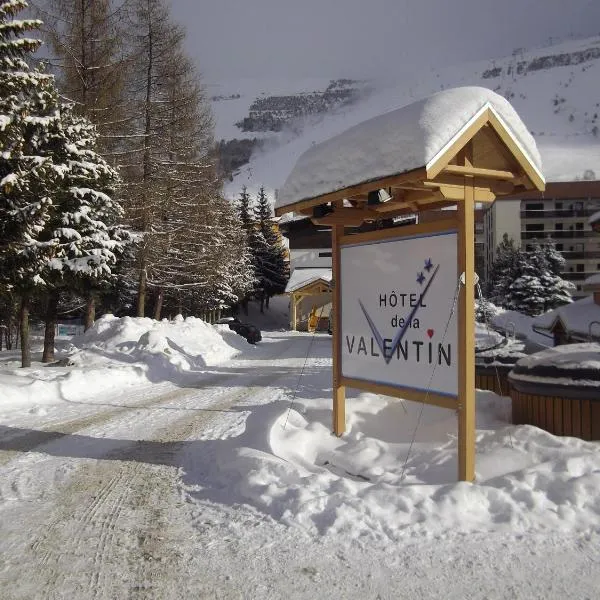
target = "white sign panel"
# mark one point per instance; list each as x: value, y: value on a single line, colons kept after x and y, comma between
x: 397, y: 296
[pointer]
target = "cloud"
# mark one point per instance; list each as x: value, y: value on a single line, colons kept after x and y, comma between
x: 356, y: 38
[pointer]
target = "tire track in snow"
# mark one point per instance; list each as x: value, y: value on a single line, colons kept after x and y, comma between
x: 118, y: 512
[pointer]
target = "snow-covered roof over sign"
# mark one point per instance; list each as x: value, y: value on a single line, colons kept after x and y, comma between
x: 576, y: 317
x: 398, y: 142
x: 300, y: 278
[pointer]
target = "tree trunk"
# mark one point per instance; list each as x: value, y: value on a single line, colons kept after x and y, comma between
x: 245, y: 306
x: 90, y: 310
x: 24, y: 325
x: 158, y: 305
x: 262, y: 304
x: 51, y: 317
x: 267, y: 301
x: 141, y: 300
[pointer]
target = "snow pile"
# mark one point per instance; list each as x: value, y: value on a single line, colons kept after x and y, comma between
x: 571, y: 364
x: 374, y: 485
x: 181, y: 345
x: 117, y: 353
x: 398, y: 142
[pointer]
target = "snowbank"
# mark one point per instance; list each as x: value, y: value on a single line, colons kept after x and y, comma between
x: 117, y: 353
x: 392, y: 477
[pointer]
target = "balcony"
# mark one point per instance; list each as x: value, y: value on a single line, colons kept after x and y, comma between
x: 576, y: 277
x: 557, y: 234
x: 579, y: 255
x: 558, y: 214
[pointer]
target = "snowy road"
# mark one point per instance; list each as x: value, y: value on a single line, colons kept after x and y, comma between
x: 93, y: 505
x: 115, y: 497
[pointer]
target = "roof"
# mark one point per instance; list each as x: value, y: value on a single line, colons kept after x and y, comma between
x: 576, y: 317
x: 300, y: 278
x: 401, y: 141
x: 592, y: 283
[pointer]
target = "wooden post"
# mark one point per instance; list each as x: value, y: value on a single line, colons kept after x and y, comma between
x: 466, y: 330
x: 293, y: 319
x: 339, y: 391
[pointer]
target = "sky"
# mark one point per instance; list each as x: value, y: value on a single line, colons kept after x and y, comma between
x: 231, y: 39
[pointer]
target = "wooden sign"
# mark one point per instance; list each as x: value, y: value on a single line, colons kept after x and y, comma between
x: 398, y: 311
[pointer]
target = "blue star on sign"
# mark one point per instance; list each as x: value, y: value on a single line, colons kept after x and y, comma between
x: 428, y: 265
x: 420, y: 278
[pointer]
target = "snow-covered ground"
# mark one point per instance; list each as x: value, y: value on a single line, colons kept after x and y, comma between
x: 174, y: 460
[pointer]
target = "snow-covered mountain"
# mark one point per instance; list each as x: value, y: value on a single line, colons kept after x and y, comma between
x: 555, y: 89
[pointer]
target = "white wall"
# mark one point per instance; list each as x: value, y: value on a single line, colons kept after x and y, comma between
x: 310, y: 258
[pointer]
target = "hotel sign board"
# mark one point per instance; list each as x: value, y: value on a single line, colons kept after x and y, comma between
x: 399, y: 312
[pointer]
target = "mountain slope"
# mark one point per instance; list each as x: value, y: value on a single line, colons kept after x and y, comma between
x: 555, y: 90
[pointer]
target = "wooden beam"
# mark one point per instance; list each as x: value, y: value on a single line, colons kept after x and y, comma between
x: 476, y: 172
x: 443, y: 159
x: 499, y: 188
x: 466, y: 327
x: 294, y: 313
x: 339, y: 390
x: 452, y: 192
x: 445, y: 222
x: 352, y: 191
x: 400, y: 392
x: 531, y: 172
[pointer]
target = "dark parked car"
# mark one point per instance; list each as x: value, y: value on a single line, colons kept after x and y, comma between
x: 246, y: 330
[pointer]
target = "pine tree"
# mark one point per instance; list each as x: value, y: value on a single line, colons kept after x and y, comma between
x: 56, y: 219
x: 274, y: 268
x: 244, y: 209
x: 503, y: 271
x: 29, y: 122
x: 538, y: 286
x: 528, y: 281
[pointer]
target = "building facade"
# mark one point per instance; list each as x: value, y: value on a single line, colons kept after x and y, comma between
x: 560, y: 215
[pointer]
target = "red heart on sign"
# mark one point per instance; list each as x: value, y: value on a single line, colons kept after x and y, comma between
x: 430, y: 333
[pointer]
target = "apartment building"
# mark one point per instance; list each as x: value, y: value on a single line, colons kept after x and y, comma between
x: 559, y: 215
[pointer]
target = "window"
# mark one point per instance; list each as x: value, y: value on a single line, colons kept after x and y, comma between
x: 580, y: 268
x: 534, y: 206
x: 559, y: 227
x: 579, y: 226
x: 559, y: 205
x: 534, y: 227
x: 324, y: 254
x: 560, y: 247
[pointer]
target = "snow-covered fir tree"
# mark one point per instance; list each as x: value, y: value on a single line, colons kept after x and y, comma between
x: 538, y: 286
x: 55, y: 215
x: 503, y: 271
x: 274, y: 265
x: 528, y: 281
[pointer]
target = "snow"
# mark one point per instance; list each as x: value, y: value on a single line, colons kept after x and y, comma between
x: 516, y: 324
x: 592, y: 280
x: 576, y: 317
x: 398, y: 142
x: 302, y: 277
x: 568, y: 356
x: 177, y: 458
x: 568, y: 365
